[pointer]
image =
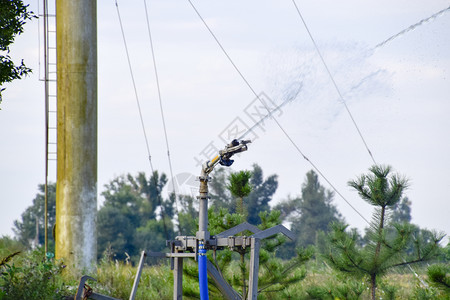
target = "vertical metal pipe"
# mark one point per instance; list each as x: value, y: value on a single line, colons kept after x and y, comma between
x: 76, y: 195
x: 46, y: 88
x: 178, y: 277
x: 203, y: 233
x: 254, y: 269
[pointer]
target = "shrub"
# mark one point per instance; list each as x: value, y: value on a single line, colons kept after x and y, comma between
x: 35, y: 277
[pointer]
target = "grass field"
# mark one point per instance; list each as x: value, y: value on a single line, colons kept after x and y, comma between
x: 28, y: 275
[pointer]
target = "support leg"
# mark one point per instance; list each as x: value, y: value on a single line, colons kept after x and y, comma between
x: 254, y: 269
x: 178, y: 278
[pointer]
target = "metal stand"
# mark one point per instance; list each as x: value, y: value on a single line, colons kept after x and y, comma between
x: 188, y: 246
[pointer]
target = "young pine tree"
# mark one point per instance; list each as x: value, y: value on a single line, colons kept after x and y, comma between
x: 239, y: 186
x: 383, y: 252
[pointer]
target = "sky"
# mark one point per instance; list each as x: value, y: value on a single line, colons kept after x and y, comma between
x: 397, y: 93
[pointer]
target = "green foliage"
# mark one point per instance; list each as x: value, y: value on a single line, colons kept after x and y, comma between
x: 310, y: 214
x: 378, y: 188
x: 13, y: 16
x: 327, y: 284
x: 220, y: 195
x: 387, y: 245
x: 187, y: 215
x: 240, y: 187
x: 26, y: 230
x: 401, y: 212
x: 115, y: 279
x: 262, y: 191
x: 128, y: 220
x: 9, y: 245
x: 439, y: 276
x: 34, y: 278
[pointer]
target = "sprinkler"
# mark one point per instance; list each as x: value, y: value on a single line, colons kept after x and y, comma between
x: 222, y: 158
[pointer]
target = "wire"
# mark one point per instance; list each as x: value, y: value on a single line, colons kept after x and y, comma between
x: 134, y: 86
x: 333, y: 81
x: 273, y: 117
x: 161, y: 106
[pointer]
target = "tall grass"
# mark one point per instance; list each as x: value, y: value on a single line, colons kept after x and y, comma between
x: 29, y: 275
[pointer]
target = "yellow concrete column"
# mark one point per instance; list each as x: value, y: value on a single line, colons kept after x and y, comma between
x: 76, y: 192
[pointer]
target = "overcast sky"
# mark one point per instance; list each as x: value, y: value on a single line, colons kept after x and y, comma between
x: 398, y: 94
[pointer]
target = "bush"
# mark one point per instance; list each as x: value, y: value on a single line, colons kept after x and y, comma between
x: 35, y: 277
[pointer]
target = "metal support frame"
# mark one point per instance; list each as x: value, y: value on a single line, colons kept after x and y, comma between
x: 188, y: 246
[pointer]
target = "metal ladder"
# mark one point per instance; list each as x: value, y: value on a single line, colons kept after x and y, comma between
x: 47, y: 54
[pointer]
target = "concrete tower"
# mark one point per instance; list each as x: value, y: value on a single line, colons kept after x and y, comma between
x: 76, y: 193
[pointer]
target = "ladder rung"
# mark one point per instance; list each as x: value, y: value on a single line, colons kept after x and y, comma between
x: 52, y: 128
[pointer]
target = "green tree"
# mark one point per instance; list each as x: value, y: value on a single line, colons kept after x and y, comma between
x: 401, y: 212
x: 13, y: 16
x: 118, y: 218
x: 220, y: 195
x: 188, y: 215
x: 30, y: 229
x: 262, y: 193
x: 129, y: 220
x: 383, y: 252
x: 150, y: 189
x: 311, y: 213
x: 257, y: 201
x: 239, y: 186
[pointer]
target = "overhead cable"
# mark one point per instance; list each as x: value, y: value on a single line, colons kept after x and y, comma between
x: 135, y: 89
x: 161, y: 105
x: 273, y: 117
x: 334, y: 82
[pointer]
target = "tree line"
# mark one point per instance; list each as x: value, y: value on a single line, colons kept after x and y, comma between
x: 135, y: 216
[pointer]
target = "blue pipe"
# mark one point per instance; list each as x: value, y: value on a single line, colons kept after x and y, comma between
x: 202, y: 272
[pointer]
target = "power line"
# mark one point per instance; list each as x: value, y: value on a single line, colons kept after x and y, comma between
x: 333, y: 81
x: 273, y: 117
x: 161, y: 105
x: 135, y: 89
x: 142, y: 123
